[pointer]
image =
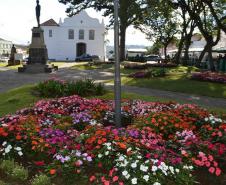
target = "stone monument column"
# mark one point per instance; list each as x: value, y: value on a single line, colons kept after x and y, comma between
x: 38, y: 54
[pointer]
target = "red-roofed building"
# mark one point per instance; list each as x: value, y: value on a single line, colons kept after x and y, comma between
x: 73, y: 37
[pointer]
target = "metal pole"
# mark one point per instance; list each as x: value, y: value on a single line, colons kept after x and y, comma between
x: 117, y: 67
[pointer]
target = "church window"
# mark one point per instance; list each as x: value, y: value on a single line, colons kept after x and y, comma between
x: 91, y: 34
x: 50, y: 33
x: 71, y: 34
x: 81, y: 34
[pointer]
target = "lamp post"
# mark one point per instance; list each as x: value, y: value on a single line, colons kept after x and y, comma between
x: 117, y: 86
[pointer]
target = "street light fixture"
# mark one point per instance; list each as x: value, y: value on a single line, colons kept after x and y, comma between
x: 117, y: 86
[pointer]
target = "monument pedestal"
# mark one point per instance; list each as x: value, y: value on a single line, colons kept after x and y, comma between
x: 38, y: 55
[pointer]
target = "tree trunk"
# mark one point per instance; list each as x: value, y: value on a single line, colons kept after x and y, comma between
x: 186, y: 52
x: 122, y: 42
x: 210, y: 58
x: 180, y: 48
x: 202, y: 54
x: 165, y: 51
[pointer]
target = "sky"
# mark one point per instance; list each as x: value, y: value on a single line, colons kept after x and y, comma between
x: 17, y: 17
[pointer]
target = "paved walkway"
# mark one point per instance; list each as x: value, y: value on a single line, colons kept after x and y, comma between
x: 10, y: 79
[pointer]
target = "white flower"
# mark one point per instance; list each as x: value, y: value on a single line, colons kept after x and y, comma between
x: 172, y: 169
x: 146, y: 178
x: 100, y: 155
x: 206, y: 119
x: 143, y: 168
x: 177, y: 170
x: 20, y: 153
x: 107, y: 153
x: 18, y: 149
x: 78, y: 154
x: 93, y: 122
x: 125, y: 173
x: 4, y: 143
x: 129, y: 149
x: 156, y: 183
x: 134, y: 165
x: 121, y: 158
x: 154, y: 168
x: 134, y: 181
x: 128, y: 176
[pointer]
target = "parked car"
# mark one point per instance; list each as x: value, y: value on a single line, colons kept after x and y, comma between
x: 87, y: 57
x: 111, y: 57
x: 4, y: 59
x: 152, y: 58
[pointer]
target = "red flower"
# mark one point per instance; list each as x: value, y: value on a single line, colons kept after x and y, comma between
x: 52, y: 172
x: 39, y: 163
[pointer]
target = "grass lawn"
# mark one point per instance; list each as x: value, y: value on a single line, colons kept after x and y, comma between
x: 16, y: 99
x: 3, y: 64
x: 177, y: 80
x: 22, y: 97
x: 87, y: 66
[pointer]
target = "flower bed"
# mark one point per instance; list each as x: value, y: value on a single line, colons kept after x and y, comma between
x: 74, y: 138
x: 209, y: 76
x: 148, y: 74
x: 55, y: 88
x: 162, y: 65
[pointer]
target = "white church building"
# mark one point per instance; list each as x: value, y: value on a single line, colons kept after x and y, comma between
x: 75, y: 36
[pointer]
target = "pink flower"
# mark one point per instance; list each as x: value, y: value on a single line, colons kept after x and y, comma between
x: 115, y: 178
x: 218, y: 171
x: 148, y: 156
x: 201, y: 154
x: 215, y: 164
x: 207, y: 163
x: 220, y: 134
x: 106, y: 183
x: 121, y: 183
x: 210, y: 158
x: 211, y: 169
x: 92, y: 178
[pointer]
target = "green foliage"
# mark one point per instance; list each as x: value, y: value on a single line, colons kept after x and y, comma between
x: 2, y: 183
x: 161, y: 72
x: 19, y: 173
x: 41, y: 180
x: 7, y: 166
x: 58, y: 88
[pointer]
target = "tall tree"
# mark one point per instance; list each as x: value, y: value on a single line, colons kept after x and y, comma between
x: 199, y: 12
x: 218, y: 11
x: 159, y: 23
x: 129, y: 12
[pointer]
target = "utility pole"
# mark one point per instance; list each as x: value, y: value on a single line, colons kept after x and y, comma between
x: 117, y: 86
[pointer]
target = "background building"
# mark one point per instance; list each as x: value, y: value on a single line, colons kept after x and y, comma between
x: 74, y: 37
x: 5, y: 47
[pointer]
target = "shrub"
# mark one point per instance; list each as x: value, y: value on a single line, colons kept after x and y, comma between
x: 19, y: 173
x: 162, y: 65
x: 2, y: 183
x: 41, y: 180
x: 158, y: 72
x: 148, y: 74
x: 131, y: 65
x: 7, y: 166
x: 57, y: 88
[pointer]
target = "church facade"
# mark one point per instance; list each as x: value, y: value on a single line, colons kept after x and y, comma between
x: 73, y: 37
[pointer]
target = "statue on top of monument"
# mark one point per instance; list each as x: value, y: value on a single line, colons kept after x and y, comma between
x: 38, y: 12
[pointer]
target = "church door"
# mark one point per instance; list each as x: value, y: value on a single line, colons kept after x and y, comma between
x: 81, y: 49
